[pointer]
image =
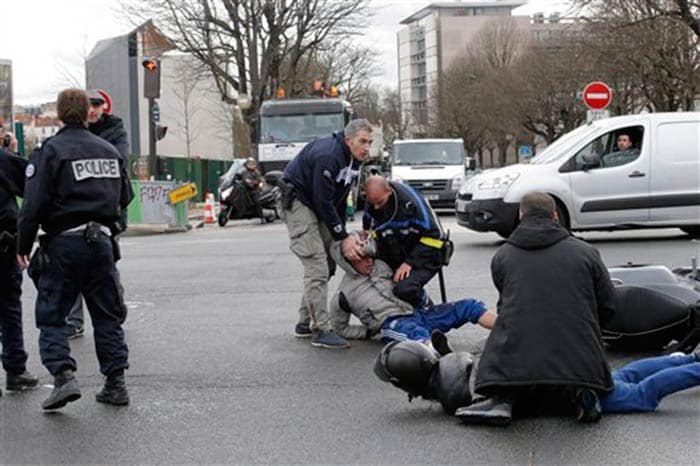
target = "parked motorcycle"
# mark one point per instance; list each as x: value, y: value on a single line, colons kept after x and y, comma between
x: 237, y: 202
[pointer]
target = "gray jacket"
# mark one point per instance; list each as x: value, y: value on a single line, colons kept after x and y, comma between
x: 370, y: 298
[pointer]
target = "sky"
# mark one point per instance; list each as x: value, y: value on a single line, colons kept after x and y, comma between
x: 47, y: 40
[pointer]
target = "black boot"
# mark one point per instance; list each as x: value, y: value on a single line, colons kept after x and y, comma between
x: 440, y: 343
x: 492, y: 411
x: 21, y: 381
x: 114, y: 392
x: 65, y: 390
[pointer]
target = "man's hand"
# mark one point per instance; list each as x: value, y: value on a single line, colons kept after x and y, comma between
x: 351, y: 247
x: 22, y: 261
x: 402, y: 272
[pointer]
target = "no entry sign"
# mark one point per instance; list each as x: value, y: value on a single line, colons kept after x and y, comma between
x: 108, y: 100
x: 597, y: 95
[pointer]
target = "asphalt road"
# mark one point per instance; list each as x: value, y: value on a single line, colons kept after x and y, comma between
x: 217, y: 377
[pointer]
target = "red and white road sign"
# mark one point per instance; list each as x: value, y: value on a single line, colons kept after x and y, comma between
x: 108, y: 100
x: 597, y: 95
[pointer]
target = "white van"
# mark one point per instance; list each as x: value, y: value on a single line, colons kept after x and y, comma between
x: 434, y: 167
x: 655, y: 183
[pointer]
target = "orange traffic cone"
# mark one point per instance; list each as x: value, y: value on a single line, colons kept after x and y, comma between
x: 209, y: 209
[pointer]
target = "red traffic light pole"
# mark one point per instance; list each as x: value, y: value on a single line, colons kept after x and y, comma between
x: 151, y: 90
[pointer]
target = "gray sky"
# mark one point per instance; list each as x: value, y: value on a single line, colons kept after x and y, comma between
x: 47, y: 39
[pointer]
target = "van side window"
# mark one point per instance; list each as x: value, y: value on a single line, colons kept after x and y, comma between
x: 612, y: 149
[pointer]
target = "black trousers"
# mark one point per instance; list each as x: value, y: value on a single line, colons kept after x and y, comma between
x: 78, y: 266
x: 14, y: 357
x: 410, y: 289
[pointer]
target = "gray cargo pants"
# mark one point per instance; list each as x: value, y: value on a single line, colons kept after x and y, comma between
x: 309, y: 240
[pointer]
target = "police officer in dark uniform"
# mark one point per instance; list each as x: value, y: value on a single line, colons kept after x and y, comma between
x: 76, y: 188
x: 408, y: 234
x: 110, y: 128
x: 14, y: 357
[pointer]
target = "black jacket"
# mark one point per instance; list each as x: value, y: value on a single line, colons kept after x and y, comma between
x: 554, y: 294
x: 76, y: 177
x: 12, y: 170
x: 111, y: 129
x: 322, y: 175
x: 399, y: 226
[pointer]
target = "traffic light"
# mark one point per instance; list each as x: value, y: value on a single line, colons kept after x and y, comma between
x: 160, y: 132
x: 151, y: 78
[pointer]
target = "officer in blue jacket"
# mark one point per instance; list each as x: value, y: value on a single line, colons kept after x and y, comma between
x: 76, y: 188
x: 409, y: 236
x: 318, y: 181
x: 14, y: 357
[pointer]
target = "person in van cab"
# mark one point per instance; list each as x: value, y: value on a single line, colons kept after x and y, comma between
x: 625, y: 152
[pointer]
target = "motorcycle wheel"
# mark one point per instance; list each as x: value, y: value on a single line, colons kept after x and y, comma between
x: 223, y: 218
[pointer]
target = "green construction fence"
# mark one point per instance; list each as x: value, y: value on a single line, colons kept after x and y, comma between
x: 204, y: 173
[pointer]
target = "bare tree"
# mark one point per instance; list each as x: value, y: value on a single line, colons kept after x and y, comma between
x: 257, y: 37
x: 651, y: 58
x: 188, y: 79
x: 624, y: 13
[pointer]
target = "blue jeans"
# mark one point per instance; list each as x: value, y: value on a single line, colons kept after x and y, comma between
x: 76, y: 266
x: 14, y: 357
x: 422, y: 322
x: 640, y: 386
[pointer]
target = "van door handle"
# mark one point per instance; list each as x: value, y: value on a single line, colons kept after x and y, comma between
x: 636, y: 174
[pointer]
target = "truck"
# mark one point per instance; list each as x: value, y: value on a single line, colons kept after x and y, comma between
x: 436, y: 168
x: 285, y: 126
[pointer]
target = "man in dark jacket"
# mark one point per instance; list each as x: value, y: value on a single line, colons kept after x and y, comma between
x: 408, y: 234
x: 111, y: 129
x: 318, y: 182
x: 555, y: 292
x: 14, y: 357
x: 107, y: 126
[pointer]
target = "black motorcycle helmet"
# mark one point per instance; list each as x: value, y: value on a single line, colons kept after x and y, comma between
x: 451, y: 382
x: 407, y: 365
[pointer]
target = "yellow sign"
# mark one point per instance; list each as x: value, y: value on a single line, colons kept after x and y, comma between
x: 182, y: 193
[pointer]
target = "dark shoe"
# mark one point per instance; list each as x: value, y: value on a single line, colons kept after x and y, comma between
x: 587, y: 405
x: 23, y: 381
x: 440, y: 343
x: 65, y: 390
x: 491, y: 411
x: 328, y: 340
x: 302, y: 330
x: 114, y: 392
x: 75, y: 332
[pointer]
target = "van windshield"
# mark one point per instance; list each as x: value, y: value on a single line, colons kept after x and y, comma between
x: 428, y: 153
x: 559, y: 147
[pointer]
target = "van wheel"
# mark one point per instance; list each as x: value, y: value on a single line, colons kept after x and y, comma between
x: 563, y: 216
x: 693, y: 231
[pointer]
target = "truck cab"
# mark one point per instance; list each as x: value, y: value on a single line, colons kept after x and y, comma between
x: 436, y: 168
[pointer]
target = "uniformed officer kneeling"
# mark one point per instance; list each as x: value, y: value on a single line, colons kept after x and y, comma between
x: 76, y: 187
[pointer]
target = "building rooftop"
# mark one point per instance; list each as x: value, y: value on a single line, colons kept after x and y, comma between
x: 422, y: 13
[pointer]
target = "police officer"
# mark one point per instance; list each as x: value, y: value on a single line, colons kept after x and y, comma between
x: 110, y: 128
x: 318, y: 181
x: 408, y: 234
x: 14, y: 357
x: 76, y: 187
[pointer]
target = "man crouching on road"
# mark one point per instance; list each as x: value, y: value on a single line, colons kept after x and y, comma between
x: 554, y: 293
x: 366, y: 291
x: 318, y: 181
